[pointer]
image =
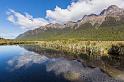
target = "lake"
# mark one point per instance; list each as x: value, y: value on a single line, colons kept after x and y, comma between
x: 27, y: 63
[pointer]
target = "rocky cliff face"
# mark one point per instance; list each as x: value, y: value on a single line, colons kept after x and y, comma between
x: 110, y: 15
x: 112, y: 11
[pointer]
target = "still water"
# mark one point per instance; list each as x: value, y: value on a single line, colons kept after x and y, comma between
x: 32, y: 64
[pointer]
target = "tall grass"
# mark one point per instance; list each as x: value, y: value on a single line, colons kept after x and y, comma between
x: 80, y: 47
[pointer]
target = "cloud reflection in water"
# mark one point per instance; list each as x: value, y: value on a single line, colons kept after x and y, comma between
x: 26, y: 59
x: 67, y: 69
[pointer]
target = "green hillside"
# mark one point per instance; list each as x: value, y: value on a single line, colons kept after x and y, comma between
x: 88, y: 33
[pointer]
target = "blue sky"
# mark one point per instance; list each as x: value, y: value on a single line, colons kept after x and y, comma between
x: 37, y: 8
x: 18, y: 16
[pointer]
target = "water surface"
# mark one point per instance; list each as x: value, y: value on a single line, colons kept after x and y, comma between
x: 20, y: 65
x: 34, y: 64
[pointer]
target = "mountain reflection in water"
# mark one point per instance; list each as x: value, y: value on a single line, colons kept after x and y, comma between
x: 112, y: 66
x: 28, y: 66
x: 61, y: 68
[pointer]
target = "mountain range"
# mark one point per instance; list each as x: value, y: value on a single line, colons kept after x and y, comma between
x: 108, y: 25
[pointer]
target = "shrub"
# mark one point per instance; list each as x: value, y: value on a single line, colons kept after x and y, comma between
x: 117, y: 50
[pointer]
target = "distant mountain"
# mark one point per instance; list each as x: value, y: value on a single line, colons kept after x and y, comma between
x: 108, y: 25
x: 1, y: 38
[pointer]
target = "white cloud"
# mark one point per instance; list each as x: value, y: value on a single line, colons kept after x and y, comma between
x: 79, y: 8
x: 25, y: 21
x: 75, y: 11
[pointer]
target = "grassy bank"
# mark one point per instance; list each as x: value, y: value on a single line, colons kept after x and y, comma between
x: 15, y: 42
x: 80, y: 47
x: 75, y: 47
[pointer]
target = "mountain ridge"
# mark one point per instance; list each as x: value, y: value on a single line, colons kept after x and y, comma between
x: 111, y: 16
